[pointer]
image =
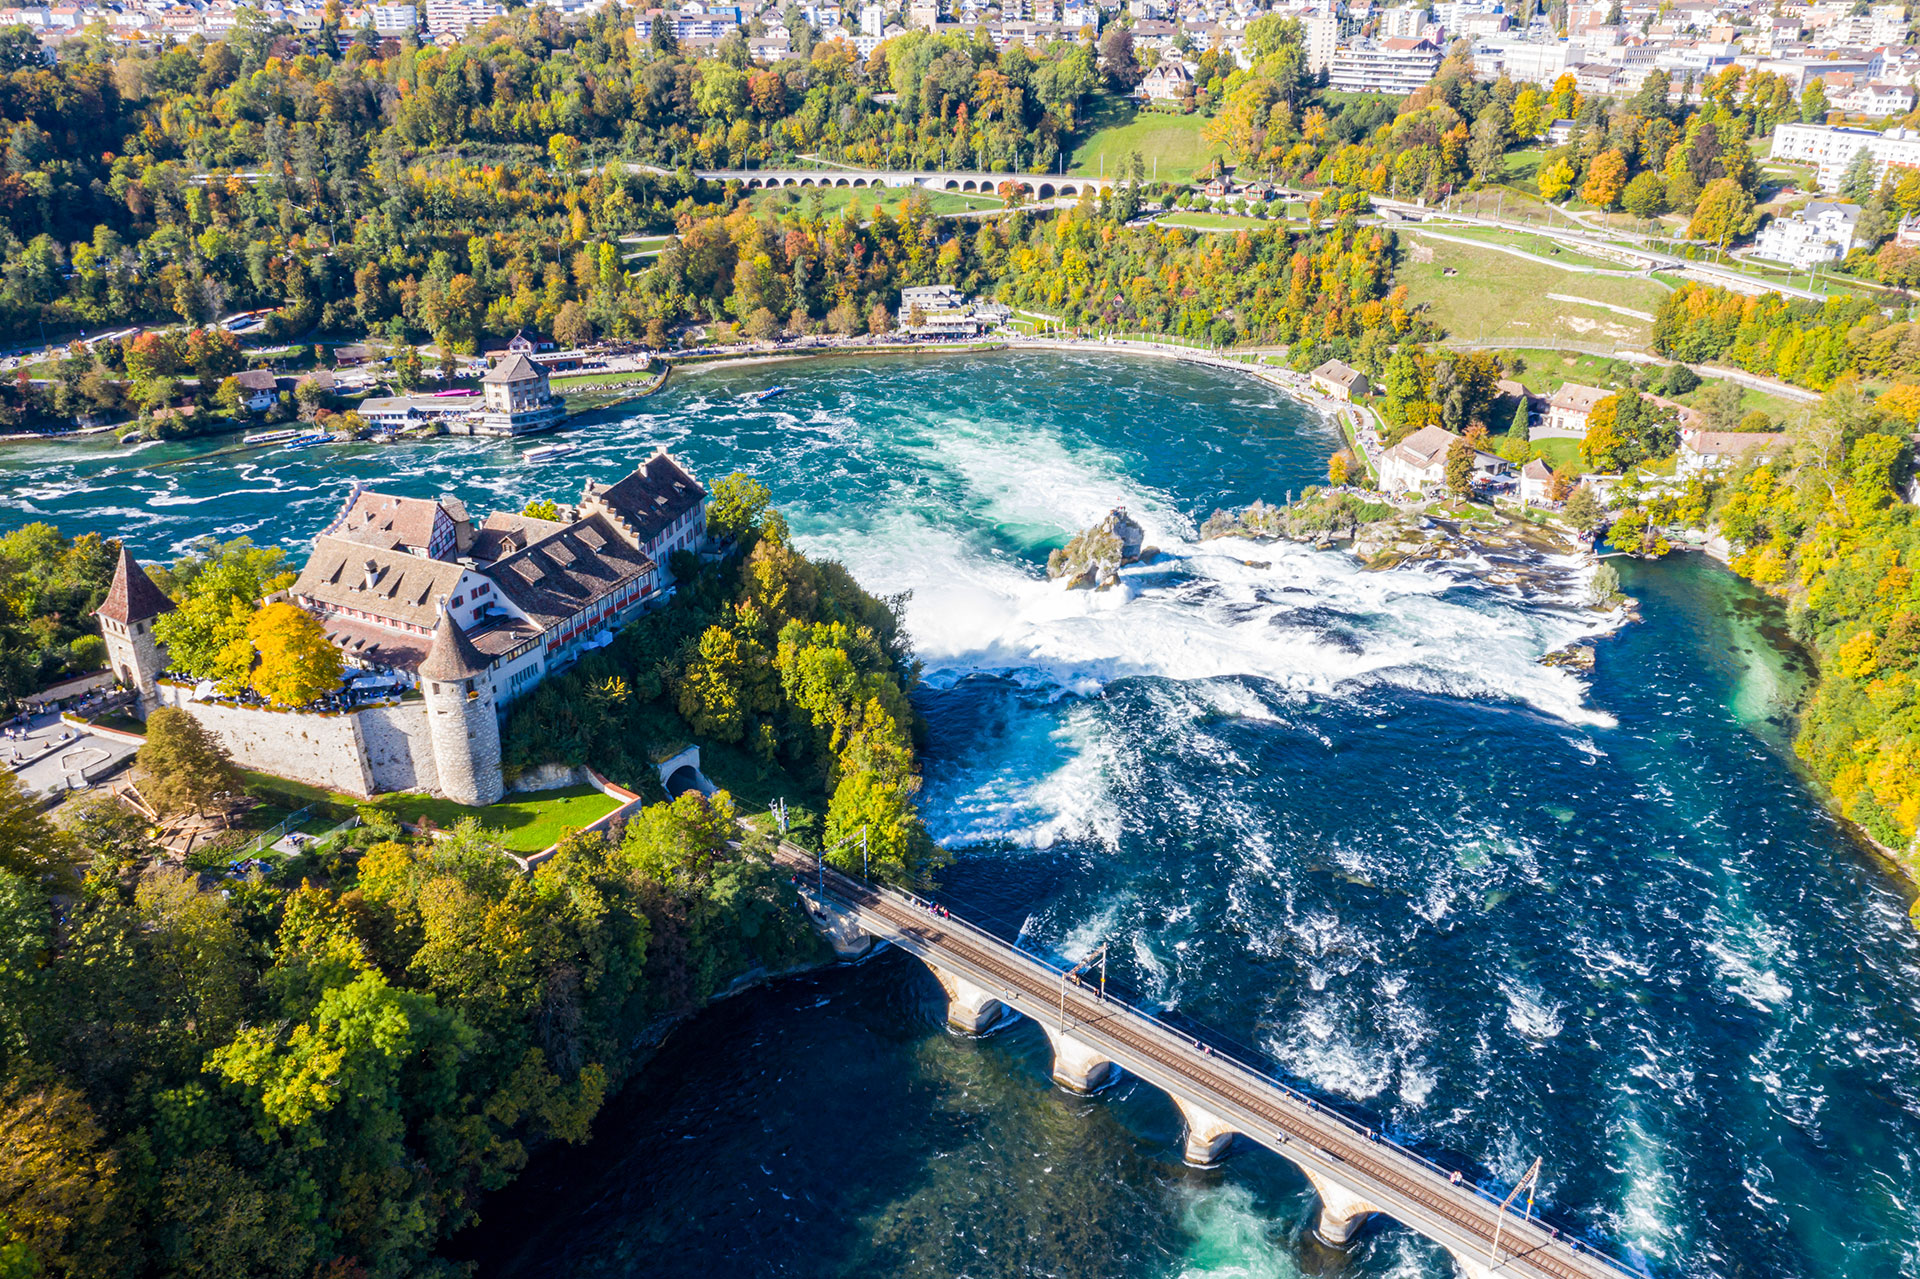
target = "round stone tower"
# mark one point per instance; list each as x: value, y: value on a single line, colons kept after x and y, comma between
x: 457, y: 683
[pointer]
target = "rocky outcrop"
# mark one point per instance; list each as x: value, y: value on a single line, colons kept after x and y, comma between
x: 1577, y: 657
x: 1093, y: 558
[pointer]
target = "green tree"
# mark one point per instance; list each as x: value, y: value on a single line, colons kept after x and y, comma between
x: 407, y: 370
x: 679, y: 842
x: 182, y: 768
x: 217, y: 587
x: 1459, y: 466
x: 1582, y: 509
x: 1519, y: 428
x: 1813, y: 102
x: 736, y: 506
x: 1645, y: 196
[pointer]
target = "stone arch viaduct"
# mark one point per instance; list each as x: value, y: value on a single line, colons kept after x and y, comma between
x: 1036, y: 186
x: 1357, y: 1171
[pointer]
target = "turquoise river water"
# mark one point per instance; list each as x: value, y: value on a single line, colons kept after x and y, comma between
x: 1344, y: 817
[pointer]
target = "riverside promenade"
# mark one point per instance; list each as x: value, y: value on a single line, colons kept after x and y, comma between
x: 1357, y: 1171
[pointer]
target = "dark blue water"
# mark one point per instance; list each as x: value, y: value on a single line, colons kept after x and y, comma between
x: 1344, y: 816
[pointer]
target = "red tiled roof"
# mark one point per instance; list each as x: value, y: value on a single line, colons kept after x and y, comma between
x: 133, y: 597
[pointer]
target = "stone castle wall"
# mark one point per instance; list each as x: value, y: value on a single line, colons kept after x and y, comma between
x: 321, y: 750
x: 399, y: 747
x: 367, y: 752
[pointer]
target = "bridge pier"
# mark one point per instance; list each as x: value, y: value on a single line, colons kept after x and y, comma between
x: 970, y: 1009
x: 1471, y: 1268
x: 1076, y: 1066
x: 841, y: 927
x: 1208, y: 1135
x: 1342, y: 1212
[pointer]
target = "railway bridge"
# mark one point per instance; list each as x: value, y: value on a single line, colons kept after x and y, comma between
x: 1036, y: 186
x: 1357, y: 1171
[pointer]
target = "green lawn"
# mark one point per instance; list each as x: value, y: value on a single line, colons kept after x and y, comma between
x: 867, y: 199
x: 1558, y: 454
x: 526, y: 823
x: 1498, y: 296
x: 1547, y: 369
x: 1218, y: 222
x: 1538, y: 245
x: 1170, y: 145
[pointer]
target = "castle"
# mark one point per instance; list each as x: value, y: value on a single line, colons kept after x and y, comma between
x: 442, y: 626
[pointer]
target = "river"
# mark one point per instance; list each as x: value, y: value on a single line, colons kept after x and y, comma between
x: 1346, y: 817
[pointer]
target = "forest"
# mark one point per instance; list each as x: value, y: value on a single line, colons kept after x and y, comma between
x: 322, y: 1071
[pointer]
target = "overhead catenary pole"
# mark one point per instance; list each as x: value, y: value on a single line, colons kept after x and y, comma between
x: 1526, y: 1183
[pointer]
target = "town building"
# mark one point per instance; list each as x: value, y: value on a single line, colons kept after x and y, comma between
x: 1419, y: 462
x: 452, y: 623
x: 516, y: 399
x: 1169, y: 81
x: 1397, y: 65
x: 1339, y: 380
x: 1536, y: 483
x: 1821, y: 232
x: 1832, y: 149
x: 259, y: 389
x: 1706, y: 451
x: 940, y: 310
x: 1568, y: 410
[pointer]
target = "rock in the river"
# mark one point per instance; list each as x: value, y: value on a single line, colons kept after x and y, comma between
x: 1577, y: 657
x: 1094, y: 557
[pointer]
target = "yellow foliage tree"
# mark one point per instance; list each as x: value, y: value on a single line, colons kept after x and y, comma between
x: 297, y: 664
x: 1606, y: 179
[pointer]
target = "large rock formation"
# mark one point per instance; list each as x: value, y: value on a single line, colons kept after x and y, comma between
x: 1095, y: 557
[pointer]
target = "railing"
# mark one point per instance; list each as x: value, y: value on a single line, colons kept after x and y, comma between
x: 1373, y: 1133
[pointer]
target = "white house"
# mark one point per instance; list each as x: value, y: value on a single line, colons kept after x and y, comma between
x: 1419, y: 462
x: 1568, y: 411
x: 1536, y: 483
x: 1821, y: 232
x: 1169, y: 81
x: 1338, y: 380
x: 1704, y: 451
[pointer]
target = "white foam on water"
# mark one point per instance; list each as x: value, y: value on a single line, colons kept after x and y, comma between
x: 1230, y: 1238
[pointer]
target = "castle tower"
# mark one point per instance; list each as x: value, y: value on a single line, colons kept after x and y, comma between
x: 457, y: 683
x: 126, y: 623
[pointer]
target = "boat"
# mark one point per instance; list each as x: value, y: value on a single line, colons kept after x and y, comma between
x: 547, y: 453
x: 769, y: 393
x: 307, y: 440
x: 268, y: 437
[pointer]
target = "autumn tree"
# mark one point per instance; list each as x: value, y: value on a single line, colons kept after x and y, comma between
x: 1724, y: 214
x: 572, y: 326
x: 296, y: 662
x: 1606, y: 179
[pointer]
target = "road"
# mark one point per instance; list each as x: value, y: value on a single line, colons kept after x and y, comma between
x: 1391, y: 1178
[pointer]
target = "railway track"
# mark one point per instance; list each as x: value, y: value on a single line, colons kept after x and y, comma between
x: 1390, y: 1178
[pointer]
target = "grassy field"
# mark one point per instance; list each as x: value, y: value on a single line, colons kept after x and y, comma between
x: 1527, y: 242
x: 526, y: 823
x: 1498, y: 296
x: 1172, y: 141
x: 1217, y: 222
x: 1547, y: 369
x: 867, y: 199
